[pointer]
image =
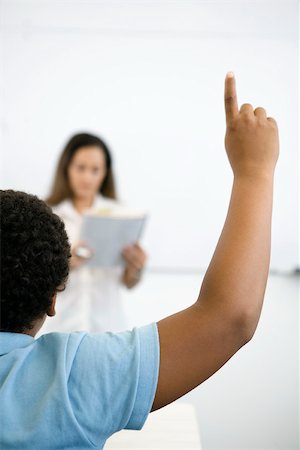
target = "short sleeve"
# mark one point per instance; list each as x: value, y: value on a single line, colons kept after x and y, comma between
x: 112, y: 381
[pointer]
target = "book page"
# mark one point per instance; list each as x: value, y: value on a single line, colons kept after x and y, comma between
x: 107, y: 236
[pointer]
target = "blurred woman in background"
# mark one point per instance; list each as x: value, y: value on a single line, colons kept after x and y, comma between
x: 83, y: 182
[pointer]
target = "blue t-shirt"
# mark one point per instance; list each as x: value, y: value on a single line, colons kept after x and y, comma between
x: 73, y: 391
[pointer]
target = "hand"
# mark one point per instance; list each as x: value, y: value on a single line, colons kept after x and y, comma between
x: 251, y: 139
x: 135, y: 258
x: 76, y: 260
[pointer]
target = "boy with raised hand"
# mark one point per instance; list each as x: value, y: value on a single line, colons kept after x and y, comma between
x: 73, y: 391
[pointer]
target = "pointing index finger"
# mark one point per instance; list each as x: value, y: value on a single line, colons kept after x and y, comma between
x: 230, y: 97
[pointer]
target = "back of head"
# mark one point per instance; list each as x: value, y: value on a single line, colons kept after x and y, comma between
x: 34, y: 259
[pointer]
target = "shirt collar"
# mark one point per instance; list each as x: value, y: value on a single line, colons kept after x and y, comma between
x: 12, y: 341
x: 67, y: 209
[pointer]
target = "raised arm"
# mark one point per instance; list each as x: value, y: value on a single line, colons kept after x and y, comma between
x: 196, y: 342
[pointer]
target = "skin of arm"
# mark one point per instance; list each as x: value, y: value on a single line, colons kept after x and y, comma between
x: 197, y: 341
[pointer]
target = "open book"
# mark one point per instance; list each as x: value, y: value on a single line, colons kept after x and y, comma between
x: 108, y: 231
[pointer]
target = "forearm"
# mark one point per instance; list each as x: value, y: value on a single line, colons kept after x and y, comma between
x: 236, y: 278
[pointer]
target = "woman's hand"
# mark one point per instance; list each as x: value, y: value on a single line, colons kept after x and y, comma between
x: 80, y: 254
x: 135, y: 258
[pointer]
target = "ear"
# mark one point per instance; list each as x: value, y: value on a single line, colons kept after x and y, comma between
x: 51, y: 311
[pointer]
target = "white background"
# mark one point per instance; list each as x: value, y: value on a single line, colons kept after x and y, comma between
x: 148, y: 77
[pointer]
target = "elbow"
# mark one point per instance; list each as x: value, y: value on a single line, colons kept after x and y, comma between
x: 245, y: 324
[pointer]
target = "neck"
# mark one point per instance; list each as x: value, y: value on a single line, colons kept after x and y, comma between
x: 81, y: 204
x: 36, y: 327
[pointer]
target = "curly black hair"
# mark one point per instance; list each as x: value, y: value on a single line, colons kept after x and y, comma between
x: 35, y: 254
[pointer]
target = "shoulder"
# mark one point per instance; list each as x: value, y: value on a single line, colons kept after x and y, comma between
x: 104, y: 361
x: 62, y: 207
x: 57, y: 340
x: 62, y: 347
x: 105, y: 351
x: 66, y: 211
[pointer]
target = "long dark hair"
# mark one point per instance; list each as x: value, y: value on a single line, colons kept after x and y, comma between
x: 61, y: 188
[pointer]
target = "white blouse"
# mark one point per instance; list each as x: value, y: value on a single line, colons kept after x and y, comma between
x: 92, y: 298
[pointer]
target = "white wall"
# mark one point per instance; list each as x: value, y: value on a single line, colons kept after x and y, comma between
x: 148, y: 76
